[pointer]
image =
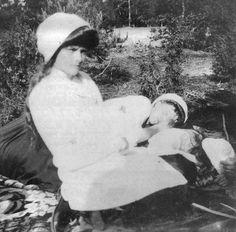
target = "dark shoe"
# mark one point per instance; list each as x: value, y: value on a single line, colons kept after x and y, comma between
x: 97, y: 221
x: 62, y: 216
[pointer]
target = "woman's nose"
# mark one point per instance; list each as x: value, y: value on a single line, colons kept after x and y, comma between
x: 78, y: 56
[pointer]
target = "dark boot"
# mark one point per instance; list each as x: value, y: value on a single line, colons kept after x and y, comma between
x: 61, y: 217
x: 97, y: 221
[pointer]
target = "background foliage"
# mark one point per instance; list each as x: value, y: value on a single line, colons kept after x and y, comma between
x: 208, y: 25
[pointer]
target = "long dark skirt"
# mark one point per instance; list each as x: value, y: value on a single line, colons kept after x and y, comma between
x: 22, y: 160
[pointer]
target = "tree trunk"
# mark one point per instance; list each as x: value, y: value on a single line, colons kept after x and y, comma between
x: 129, y: 12
x: 183, y: 8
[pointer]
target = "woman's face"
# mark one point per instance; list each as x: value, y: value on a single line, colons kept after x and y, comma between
x: 69, y: 59
x: 163, y: 113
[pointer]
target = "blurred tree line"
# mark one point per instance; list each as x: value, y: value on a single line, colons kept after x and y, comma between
x: 116, y: 12
x: 208, y: 25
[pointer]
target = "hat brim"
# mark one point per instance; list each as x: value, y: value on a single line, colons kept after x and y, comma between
x: 83, y: 37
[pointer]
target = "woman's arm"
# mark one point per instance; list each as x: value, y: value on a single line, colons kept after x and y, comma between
x: 148, y: 132
x: 74, y: 128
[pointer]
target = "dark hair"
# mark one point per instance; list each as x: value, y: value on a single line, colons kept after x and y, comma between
x: 82, y: 36
x: 178, y: 110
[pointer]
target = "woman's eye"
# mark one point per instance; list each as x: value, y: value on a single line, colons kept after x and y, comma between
x: 73, y: 49
x: 82, y: 51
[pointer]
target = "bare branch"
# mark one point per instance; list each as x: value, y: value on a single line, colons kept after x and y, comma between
x: 224, y: 127
x: 104, y: 68
x: 212, y: 211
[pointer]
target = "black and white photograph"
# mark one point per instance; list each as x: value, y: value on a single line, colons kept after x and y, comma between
x: 117, y: 115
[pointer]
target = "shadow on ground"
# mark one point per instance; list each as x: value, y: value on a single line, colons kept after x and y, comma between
x: 171, y: 210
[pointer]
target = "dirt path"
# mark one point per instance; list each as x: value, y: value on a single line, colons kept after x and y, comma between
x: 197, y: 63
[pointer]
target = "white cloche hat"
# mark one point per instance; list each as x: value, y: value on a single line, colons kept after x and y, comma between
x: 54, y: 31
x: 177, y: 101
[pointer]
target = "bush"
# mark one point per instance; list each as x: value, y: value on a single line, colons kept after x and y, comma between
x: 154, y: 82
x: 224, y: 65
x: 150, y: 75
x: 173, y: 57
x: 106, y: 72
x: 197, y: 32
x: 107, y: 41
x: 18, y: 60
